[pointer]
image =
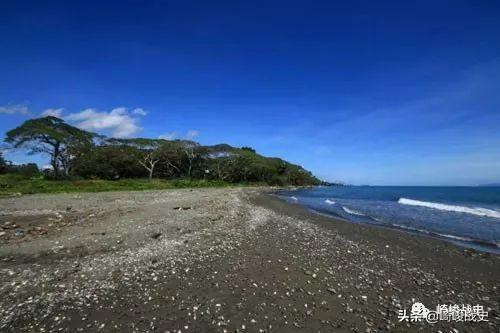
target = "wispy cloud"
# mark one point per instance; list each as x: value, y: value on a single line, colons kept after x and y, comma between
x: 14, y: 109
x: 119, y: 122
x: 139, y: 112
x: 168, y: 136
x: 53, y: 112
x: 191, y: 134
x: 447, y: 136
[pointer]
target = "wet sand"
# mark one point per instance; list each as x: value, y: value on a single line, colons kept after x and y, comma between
x: 215, y: 260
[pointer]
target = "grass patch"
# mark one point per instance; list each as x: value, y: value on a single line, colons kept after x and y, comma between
x: 12, y: 185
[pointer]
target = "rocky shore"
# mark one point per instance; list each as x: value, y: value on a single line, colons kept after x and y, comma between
x: 222, y: 260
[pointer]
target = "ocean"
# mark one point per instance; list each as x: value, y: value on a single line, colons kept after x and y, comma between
x: 467, y: 216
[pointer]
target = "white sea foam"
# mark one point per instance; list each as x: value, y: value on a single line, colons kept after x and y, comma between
x: 454, y: 237
x: 352, y: 212
x: 330, y: 202
x: 294, y: 198
x: 405, y: 227
x: 465, y: 239
x: 451, y: 208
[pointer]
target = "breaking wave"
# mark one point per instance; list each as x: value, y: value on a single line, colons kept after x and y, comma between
x: 330, y: 202
x: 352, y: 212
x: 452, y: 237
x: 451, y: 208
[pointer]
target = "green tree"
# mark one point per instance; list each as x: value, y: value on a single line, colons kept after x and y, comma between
x: 147, y: 151
x: 171, y: 158
x: 27, y: 170
x: 110, y: 162
x: 250, y: 149
x: 191, y: 151
x: 3, y: 164
x: 52, y: 136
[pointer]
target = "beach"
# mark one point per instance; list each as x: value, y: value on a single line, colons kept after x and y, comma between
x: 223, y: 260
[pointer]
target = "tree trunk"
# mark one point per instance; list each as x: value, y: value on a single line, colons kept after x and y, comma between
x: 150, y: 168
x: 53, y: 162
x: 55, y: 158
x: 189, y: 169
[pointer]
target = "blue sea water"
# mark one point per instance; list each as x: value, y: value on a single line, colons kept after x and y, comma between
x: 467, y: 216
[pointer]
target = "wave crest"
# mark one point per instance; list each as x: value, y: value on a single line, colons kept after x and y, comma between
x: 352, y: 212
x: 330, y: 202
x: 451, y: 208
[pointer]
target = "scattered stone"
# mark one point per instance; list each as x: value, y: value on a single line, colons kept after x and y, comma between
x: 182, y: 208
x: 227, y: 276
x: 156, y: 235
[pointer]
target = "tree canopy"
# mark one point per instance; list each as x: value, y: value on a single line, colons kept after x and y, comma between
x: 52, y: 136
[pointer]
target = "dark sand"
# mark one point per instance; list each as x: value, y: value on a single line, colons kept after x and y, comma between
x: 232, y: 260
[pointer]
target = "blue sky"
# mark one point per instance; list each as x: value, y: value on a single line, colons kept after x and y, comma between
x: 365, y: 92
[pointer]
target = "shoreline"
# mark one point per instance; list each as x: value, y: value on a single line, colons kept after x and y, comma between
x: 408, y: 242
x: 468, y: 244
x: 235, y: 259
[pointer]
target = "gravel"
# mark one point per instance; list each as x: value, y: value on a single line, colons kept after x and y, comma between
x: 221, y: 260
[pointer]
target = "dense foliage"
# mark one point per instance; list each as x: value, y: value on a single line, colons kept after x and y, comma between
x: 82, y: 154
x: 3, y: 164
x: 24, y: 170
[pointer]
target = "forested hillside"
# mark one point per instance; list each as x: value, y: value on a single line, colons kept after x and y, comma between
x: 75, y: 153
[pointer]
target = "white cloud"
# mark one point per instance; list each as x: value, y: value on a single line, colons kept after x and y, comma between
x: 53, y: 112
x: 14, y: 109
x: 139, y: 111
x: 191, y: 134
x: 168, y: 136
x: 119, y: 122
